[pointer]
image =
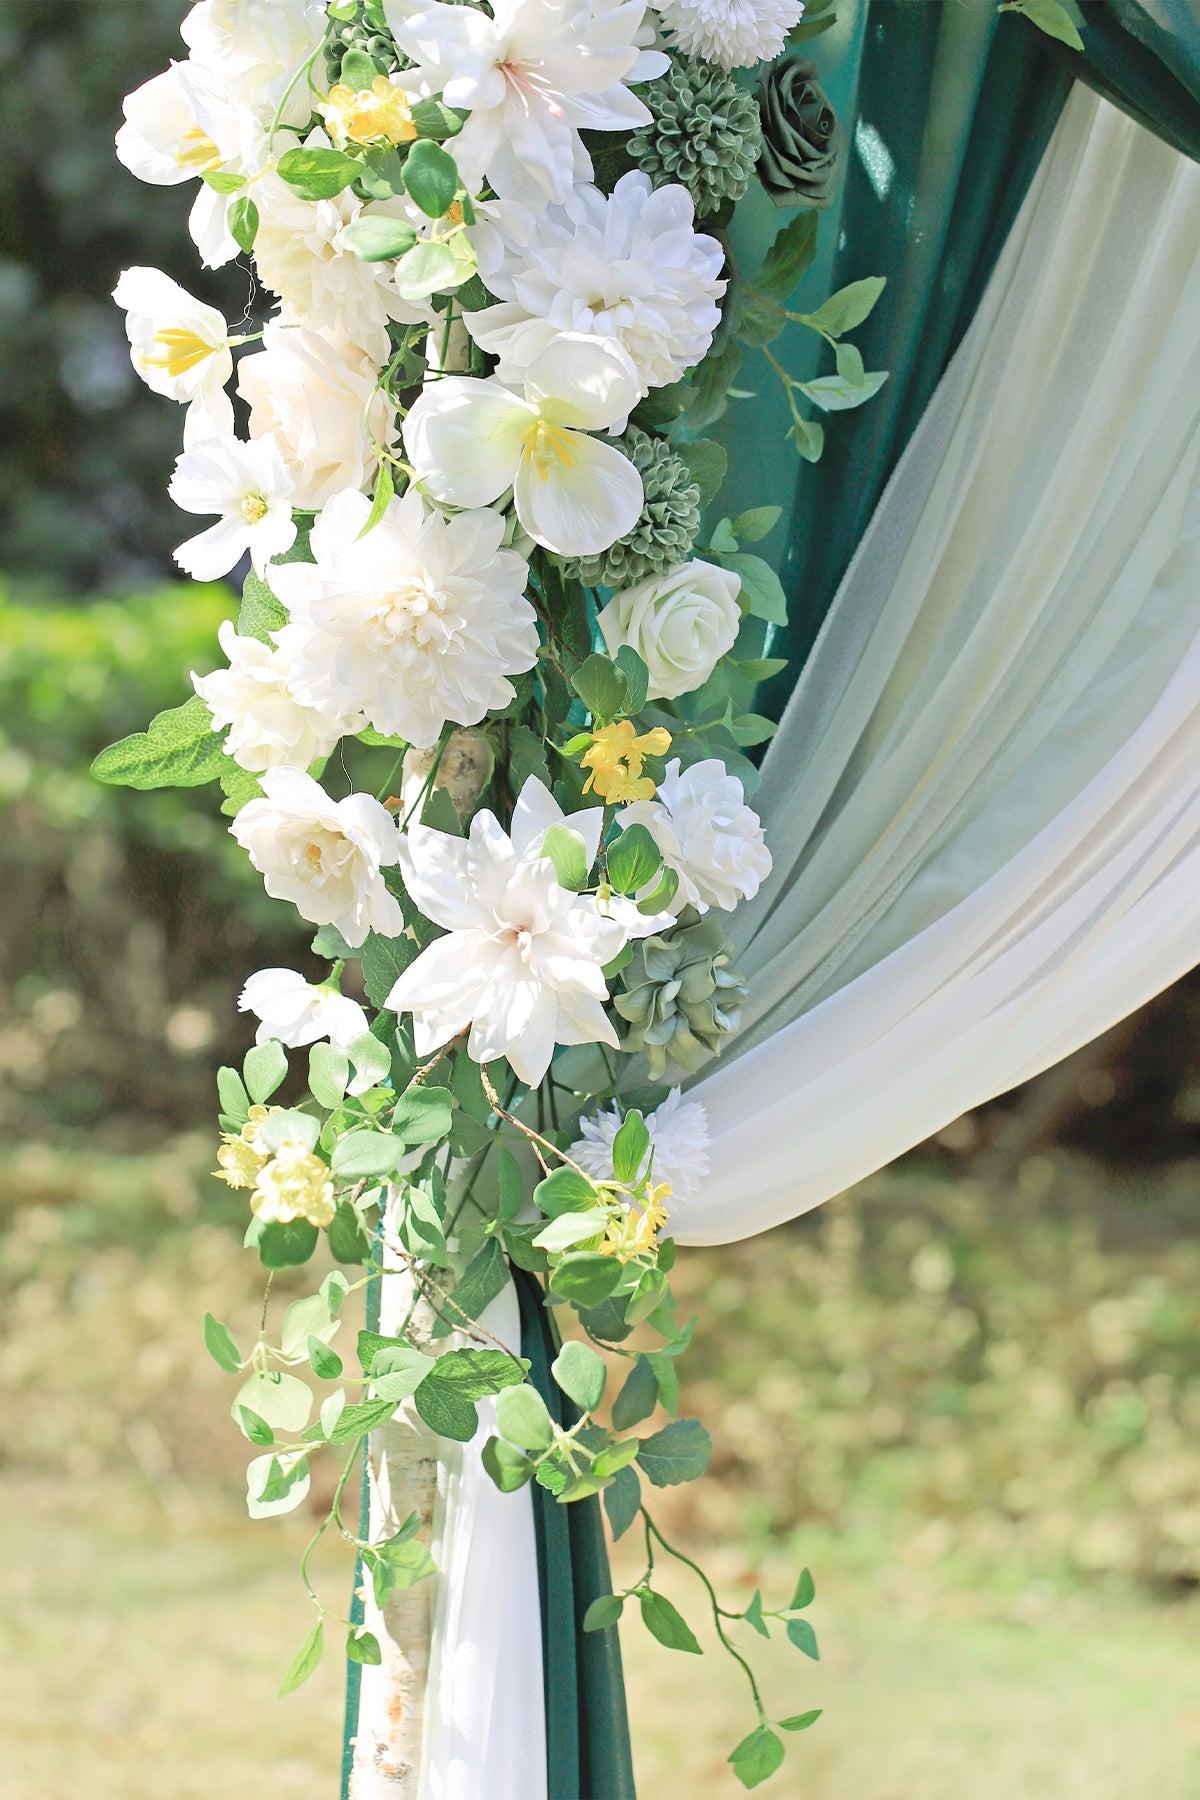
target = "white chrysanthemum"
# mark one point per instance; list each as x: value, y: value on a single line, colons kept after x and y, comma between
x: 269, y: 727
x: 327, y: 857
x: 249, y: 489
x: 178, y: 345
x: 255, y: 51
x: 678, y: 1137
x: 530, y: 77
x: 734, y: 34
x: 628, y: 267
x: 417, y: 622
x: 300, y: 255
x: 706, y: 833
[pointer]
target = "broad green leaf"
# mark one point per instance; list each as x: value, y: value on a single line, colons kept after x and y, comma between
x: 473, y: 1374
x: 679, y: 1452
x: 433, y: 119
x: 756, y: 523
x: 522, y: 1418
x: 397, y: 1565
x: 712, y: 382
x: 357, y: 71
x: 832, y: 393
x: 808, y: 437
x: 284, y: 1401
x: 264, y: 1069
x: 512, y: 1188
x: 762, y: 591
x: 749, y: 729
x: 323, y: 1361
x: 366, y: 1152
x: 568, y: 852
x: 317, y: 174
x: 571, y: 1228
x: 1049, y: 16
x: 222, y: 181
x: 370, y: 1058
x: 753, y: 1616
x: 384, y: 960
x: 637, y: 677
x: 581, y: 1375
x: 800, y: 1721
x: 242, y: 220
x: 586, y: 1279
x: 804, y: 1637
x: 707, y: 462
x: 256, y: 1429
x: 632, y: 860
x: 757, y: 1757
x: 385, y: 489
x: 328, y: 1073
x: 287, y: 1246
x: 605, y: 1610
x: 381, y: 175
x: 425, y: 269
x: 847, y: 308
x: 276, y: 1484
x: 445, y: 1411
x: 602, y: 688
x: 305, y: 1660
x: 231, y: 1092
x: 218, y: 1341
x: 430, y: 178
x: 353, y: 1422
x: 178, y: 749
x: 348, y: 1242
x: 564, y: 1191
x: 805, y: 1593
x: 622, y: 1500
x: 637, y: 1398
x: 261, y: 612
x: 485, y: 1276
x: 792, y: 250
x: 363, y: 1647
x: 288, y: 1125
x: 630, y: 1147
x: 666, y: 1623
x: 507, y: 1466
x: 378, y: 238
x: 305, y: 1318
x: 422, y: 1115
x: 332, y: 1408
x: 761, y: 668
x: 663, y: 1364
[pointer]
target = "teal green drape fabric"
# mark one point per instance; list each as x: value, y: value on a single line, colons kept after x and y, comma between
x: 1144, y: 56
x: 587, y: 1732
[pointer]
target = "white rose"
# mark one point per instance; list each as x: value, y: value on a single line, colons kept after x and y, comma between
x: 312, y: 393
x: 680, y: 624
x: 296, y: 1013
x: 706, y: 833
x: 327, y: 857
x: 268, y: 726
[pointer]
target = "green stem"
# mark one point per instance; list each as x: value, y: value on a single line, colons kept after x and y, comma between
x: 718, y: 1611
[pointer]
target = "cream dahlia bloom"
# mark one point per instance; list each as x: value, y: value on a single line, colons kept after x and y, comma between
x: 628, y: 267
x: 530, y: 78
x: 471, y: 440
x: 706, y: 833
x: 255, y: 49
x: 679, y: 1140
x: 315, y: 394
x: 418, y: 622
x: 251, y: 491
x: 681, y: 624
x: 326, y: 856
x: 734, y: 34
x: 522, y: 961
x: 178, y: 345
x: 269, y: 726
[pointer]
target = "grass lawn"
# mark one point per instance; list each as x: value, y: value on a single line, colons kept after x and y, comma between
x: 142, y: 1654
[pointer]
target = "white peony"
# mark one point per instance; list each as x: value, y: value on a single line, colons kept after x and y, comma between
x: 255, y: 52
x: 417, y: 623
x: 680, y: 623
x: 523, y: 960
x: 316, y: 394
x: 627, y: 267
x: 327, y: 857
x: 294, y: 1012
x: 706, y: 833
x: 248, y: 486
x: 269, y: 727
x: 679, y: 1140
x: 734, y: 34
x: 471, y: 440
x: 178, y: 345
x: 530, y: 78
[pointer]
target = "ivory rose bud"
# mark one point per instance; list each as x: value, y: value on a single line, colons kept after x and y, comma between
x: 680, y: 624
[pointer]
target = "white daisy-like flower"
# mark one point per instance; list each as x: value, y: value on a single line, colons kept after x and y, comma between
x: 417, y: 622
x: 255, y: 51
x: 179, y: 346
x: 269, y: 726
x: 251, y: 491
x: 734, y: 34
x: 628, y: 266
x: 679, y: 1139
x: 471, y: 440
x: 530, y: 77
x: 706, y: 833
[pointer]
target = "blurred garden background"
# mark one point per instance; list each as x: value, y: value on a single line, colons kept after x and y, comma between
x: 978, y: 1375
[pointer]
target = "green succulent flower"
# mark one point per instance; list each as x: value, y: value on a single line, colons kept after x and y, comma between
x: 666, y: 527
x: 681, y: 994
x: 705, y: 132
x: 367, y: 32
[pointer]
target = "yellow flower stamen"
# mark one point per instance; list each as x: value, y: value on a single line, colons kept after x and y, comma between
x: 635, y: 1231
x: 253, y: 508
x: 548, y: 446
x: 181, y: 350
x: 616, y: 757
x: 197, y: 151
x: 239, y: 1160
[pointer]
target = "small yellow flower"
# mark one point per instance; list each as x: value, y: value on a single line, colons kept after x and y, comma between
x: 238, y: 1158
x: 378, y: 112
x: 615, y: 758
x: 635, y: 1232
x: 295, y: 1184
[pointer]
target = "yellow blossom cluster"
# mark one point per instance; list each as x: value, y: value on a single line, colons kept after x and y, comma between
x: 615, y: 758
x: 372, y: 115
x: 291, y: 1184
x: 634, y: 1232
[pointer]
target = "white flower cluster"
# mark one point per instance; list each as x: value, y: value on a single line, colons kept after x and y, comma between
x: 410, y: 612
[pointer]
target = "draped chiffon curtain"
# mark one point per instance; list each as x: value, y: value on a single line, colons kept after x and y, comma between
x: 984, y: 799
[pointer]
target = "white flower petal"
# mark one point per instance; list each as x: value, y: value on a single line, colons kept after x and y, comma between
x: 592, y: 496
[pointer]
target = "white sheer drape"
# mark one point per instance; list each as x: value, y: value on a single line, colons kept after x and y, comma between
x: 984, y: 799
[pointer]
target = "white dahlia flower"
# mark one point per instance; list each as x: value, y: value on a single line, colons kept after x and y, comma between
x: 251, y: 491
x: 326, y: 856
x: 178, y: 345
x: 530, y: 77
x: 706, y: 833
x: 416, y: 623
x: 628, y: 267
x: 255, y: 51
x: 681, y: 624
x: 269, y: 726
x: 679, y: 1140
x: 734, y: 34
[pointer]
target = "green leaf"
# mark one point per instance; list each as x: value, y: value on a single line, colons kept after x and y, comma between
x: 564, y: 1191
x: 571, y: 1228
x: 1049, y: 16
x: 485, y: 1276
x: 622, y: 1500
x: 586, y: 1279
x: 354, y: 1422
x: 328, y: 1073
x: 637, y: 1398
x: 434, y: 119
x: 231, y: 1093
x: 366, y: 1152
x: 397, y: 1565
x: 512, y: 1188
x: 712, y: 381
x: 757, y: 1757
x: 384, y: 960
x: 376, y: 237
x: 474, y: 1374
x: 792, y: 250
x: 422, y: 1115
x: 305, y: 1660
x: 809, y: 438
x: 397, y: 1374
x: 348, y: 1242
x: 264, y: 1069
x: 431, y: 178
x: 601, y: 686
x: 508, y: 1467
x: 242, y: 220
x: 806, y: 1589
x: 385, y: 489
x: 287, y: 1246
x: 363, y: 1647
x: 445, y: 1411
x: 660, y: 895
x: 679, y: 1452
x: 305, y: 1318
x: 666, y: 1623
x: 804, y: 1637
x: 762, y: 591
x: 630, y: 1147
x: 255, y: 1427
x: 753, y: 1616
x: 663, y: 1365
x: 222, y: 181
x: 756, y: 523
x: 800, y: 1721
x: 381, y: 174
x: 526, y: 757
x: 522, y: 1418
x: 833, y: 393
x: 425, y: 269
x: 287, y: 1124
x: 581, y: 1374
x: 317, y: 174
x: 568, y: 852
x: 632, y: 860
x: 761, y: 668
x: 604, y: 1611
x: 261, y: 613
x: 283, y: 1401
x: 218, y: 1341
x: 178, y: 749
x: 637, y: 677
x: 323, y: 1361
x: 847, y: 308
x: 749, y: 729
x: 707, y: 462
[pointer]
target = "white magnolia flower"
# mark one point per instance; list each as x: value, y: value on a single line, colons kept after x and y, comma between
x: 293, y: 1011
x: 680, y: 623
x: 316, y: 395
x: 706, y: 833
x: 530, y: 78
x: 327, y: 857
x: 679, y: 1140
x: 269, y: 726
x: 735, y: 34
x: 179, y: 346
x: 300, y: 254
x: 627, y: 266
x: 416, y: 623
x: 471, y: 440
x: 255, y: 51
x: 523, y: 959
x: 248, y: 486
